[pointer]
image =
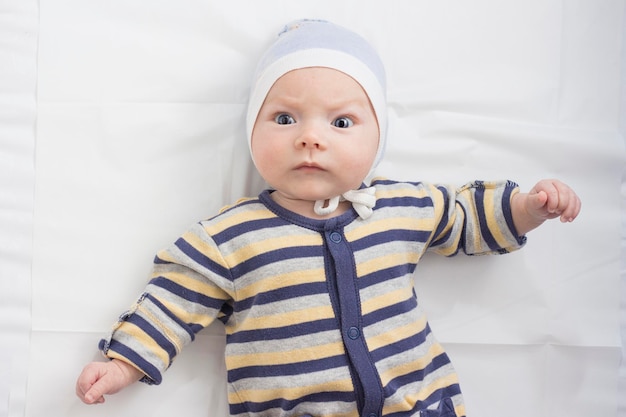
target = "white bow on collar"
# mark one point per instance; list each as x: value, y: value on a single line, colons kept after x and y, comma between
x: 363, y: 201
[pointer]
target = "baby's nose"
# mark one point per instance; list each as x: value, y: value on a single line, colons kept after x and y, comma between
x: 310, y: 137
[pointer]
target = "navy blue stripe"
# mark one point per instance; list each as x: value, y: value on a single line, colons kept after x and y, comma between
x: 195, y: 328
x: 282, y: 294
x: 402, y: 345
x: 155, y: 334
x: 200, y: 258
x: 294, y: 368
x: 479, y: 198
x: 225, y: 312
x: 246, y: 227
x: 382, y: 181
x: 506, y: 208
x: 168, y: 313
x: 393, y: 310
x: 406, y: 201
x: 508, y: 215
x: 288, y: 405
x: 186, y: 293
x: 392, y: 182
x: 437, y: 396
x: 147, y: 368
x: 159, y: 261
x: 386, y: 274
x: 445, y: 219
x: 391, y: 235
x: 275, y: 256
x: 417, y: 375
x: 285, y: 332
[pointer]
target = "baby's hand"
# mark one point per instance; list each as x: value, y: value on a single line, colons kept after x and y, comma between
x: 101, y: 378
x: 550, y: 199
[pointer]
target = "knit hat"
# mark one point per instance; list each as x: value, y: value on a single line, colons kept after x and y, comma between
x: 316, y: 43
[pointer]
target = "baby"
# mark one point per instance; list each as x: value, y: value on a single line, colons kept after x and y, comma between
x: 313, y: 279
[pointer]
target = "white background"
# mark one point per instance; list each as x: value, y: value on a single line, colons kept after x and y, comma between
x: 122, y: 122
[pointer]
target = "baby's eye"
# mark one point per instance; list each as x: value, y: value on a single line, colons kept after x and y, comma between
x: 343, y: 122
x: 284, y: 119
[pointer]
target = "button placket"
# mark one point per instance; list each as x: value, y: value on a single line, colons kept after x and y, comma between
x: 370, y: 400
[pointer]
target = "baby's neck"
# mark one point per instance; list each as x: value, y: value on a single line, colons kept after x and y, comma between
x: 306, y: 208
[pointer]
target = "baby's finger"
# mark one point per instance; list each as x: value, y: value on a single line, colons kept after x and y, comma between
x: 94, y: 396
x: 567, y: 201
x: 573, y: 208
x: 84, y: 383
x: 90, y: 386
x: 555, y: 201
x: 95, y: 393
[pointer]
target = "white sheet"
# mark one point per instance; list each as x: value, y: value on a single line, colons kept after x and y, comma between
x: 18, y: 77
x: 139, y: 132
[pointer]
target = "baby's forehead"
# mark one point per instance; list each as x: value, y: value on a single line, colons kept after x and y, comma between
x: 337, y: 87
x: 320, y: 75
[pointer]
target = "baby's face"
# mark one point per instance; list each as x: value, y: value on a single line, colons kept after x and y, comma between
x: 316, y: 135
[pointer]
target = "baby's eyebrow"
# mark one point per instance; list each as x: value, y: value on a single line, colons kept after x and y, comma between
x: 353, y: 102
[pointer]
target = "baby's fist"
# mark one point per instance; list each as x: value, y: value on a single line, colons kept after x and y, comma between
x: 550, y: 199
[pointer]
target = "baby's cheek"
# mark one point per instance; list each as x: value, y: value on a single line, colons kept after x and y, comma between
x: 361, y: 164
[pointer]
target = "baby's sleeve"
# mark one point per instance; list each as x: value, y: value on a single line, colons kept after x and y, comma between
x: 188, y: 290
x: 476, y: 219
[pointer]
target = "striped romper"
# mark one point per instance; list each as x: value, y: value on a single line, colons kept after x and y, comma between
x: 321, y: 316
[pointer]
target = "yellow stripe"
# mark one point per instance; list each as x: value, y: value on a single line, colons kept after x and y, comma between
x: 240, y: 201
x: 408, y: 367
x: 201, y: 246
x: 168, y: 333
x: 413, y: 398
x: 289, y: 393
x: 283, y: 318
x: 194, y: 285
x: 400, y: 223
x: 446, y: 249
x: 492, y: 224
x: 475, y: 224
x: 145, y: 340
x: 237, y: 219
x: 285, y: 357
x: 183, y: 315
x: 437, y: 197
x: 268, y: 245
x: 281, y: 281
x: 387, y: 261
x: 387, y: 299
x: 408, y: 191
x: 395, y: 334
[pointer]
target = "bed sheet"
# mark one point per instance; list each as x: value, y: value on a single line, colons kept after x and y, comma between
x: 122, y: 122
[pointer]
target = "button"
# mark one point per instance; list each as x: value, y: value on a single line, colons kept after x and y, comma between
x: 335, y: 237
x: 353, y: 333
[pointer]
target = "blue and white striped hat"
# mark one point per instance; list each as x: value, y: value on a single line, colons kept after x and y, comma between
x: 317, y: 43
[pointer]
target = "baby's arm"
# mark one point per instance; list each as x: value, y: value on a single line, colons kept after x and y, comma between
x: 101, y: 378
x: 548, y: 199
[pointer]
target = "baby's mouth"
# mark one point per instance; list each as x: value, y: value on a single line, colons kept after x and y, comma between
x: 309, y: 166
